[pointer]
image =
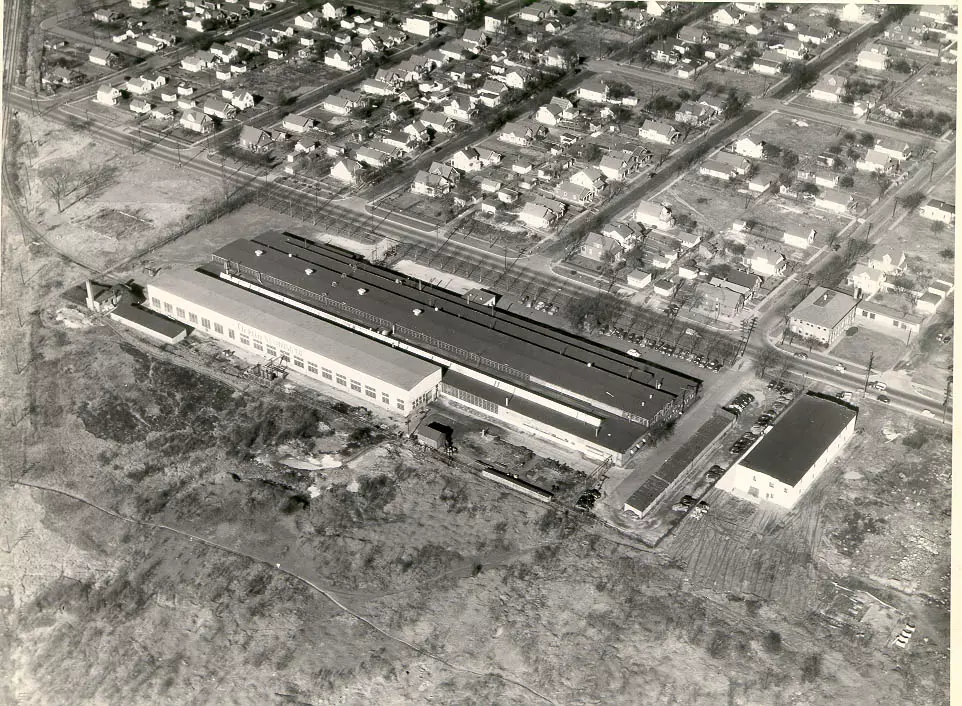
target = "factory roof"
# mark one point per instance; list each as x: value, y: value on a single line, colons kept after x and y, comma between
x: 498, y: 343
x: 298, y: 328
x: 799, y: 438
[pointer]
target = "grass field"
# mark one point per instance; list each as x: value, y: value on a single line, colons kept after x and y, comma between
x: 857, y: 348
x: 806, y: 142
x: 779, y: 214
x: 932, y: 88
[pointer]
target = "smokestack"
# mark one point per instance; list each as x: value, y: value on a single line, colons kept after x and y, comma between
x: 90, y: 294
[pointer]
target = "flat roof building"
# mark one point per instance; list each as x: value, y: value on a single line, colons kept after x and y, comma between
x: 784, y: 463
x: 542, y: 380
x: 381, y: 375
x: 823, y: 315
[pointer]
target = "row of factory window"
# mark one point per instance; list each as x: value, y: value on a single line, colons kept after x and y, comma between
x: 298, y: 362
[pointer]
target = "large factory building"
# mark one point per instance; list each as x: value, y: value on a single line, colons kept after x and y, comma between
x: 399, y: 343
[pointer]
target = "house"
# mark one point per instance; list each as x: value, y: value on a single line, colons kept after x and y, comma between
x: 928, y: 303
x: 717, y: 302
x: 654, y: 215
x: 692, y: 35
x: 657, y: 131
x: 634, y: 18
x: 590, y: 178
x: 196, y: 121
x: 492, y: 93
x: 689, y: 68
x: 224, y: 52
x: 164, y: 113
x: 748, y: 147
x: 638, y: 279
x: 490, y: 186
x: 769, y: 64
x: 877, y: 161
x: 573, y: 193
x: 535, y: 12
x: 936, y: 210
x: 448, y: 13
x: 727, y: 16
x: 461, y: 108
x: 666, y: 287
x: 793, y: 49
x: 829, y: 89
x: 787, y: 460
x: 149, y: 44
x: 888, y: 321
x: 594, y: 90
x: 761, y: 182
x: 814, y: 35
x: 347, y: 171
x: 475, y: 38
x: 617, y: 166
x: 103, y: 15
x: 658, y: 8
x: 554, y: 58
x: 219, y: 109
x: 439, y: 122
x: 539, y: 214
x: 827, y: 179
x: 521, y: 133
x: 896, y: 149
x: 140, y: 106
x: 516, y: 78
x: 343, y: 59
x: 140, y: 4
x: 754, y: 26
x: 664, y: 259
x: 598, y: 248
x: 338, y: 105
x: 242, y: 100
x: 330, y: 11
x: 888, y: 261
x: 420, y: 26
x: 662, y: 52
x: 823, y: 315
x: 428, y: 184
x: 260, y: 5
x: 692, y: 113
x: 198, y: 61
x: 855, y: 13
x: 297, y: 124
x: 627, y: 235
x: 507, y: 195
x: 372, y: 157
x: 308, y: 20
x: 874, y: 57
x: 765, y: 262
x: 107, y: 94
x: 836, y: 201
x: 744, y: 283
x: 799, y: 237
x: 254, y: 139
x: 715, y: 103
x: 716, y: 169
x: 866, y: 282
x: 102, y: 57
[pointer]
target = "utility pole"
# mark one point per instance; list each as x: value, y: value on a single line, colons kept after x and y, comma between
x: 747, y: 328
x: 868, y: 370
x: 948, y: 394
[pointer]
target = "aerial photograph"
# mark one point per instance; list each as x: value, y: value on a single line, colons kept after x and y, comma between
x: 467, y: 352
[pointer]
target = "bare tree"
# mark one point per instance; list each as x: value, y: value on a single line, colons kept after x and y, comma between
x: 60, y: 180
x: 767, y: 359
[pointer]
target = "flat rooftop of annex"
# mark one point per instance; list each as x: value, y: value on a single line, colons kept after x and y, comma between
x: 303, y: 330
x: 799, y: 438
x: 554, y: 359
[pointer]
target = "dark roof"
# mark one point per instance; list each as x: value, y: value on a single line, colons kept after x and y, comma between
x: 498, y: 343
x: 799, y: 438
x: 148, y: 319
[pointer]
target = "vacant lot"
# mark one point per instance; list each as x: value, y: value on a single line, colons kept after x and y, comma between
x: 933, y: 88
x: 100, y: 202
x: 780, y: 214
x: 711, y: 202
x: 868, y: 341
x: 805, y: 141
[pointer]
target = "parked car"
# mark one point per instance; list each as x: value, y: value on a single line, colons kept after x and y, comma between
x: 884, y: 399
x: 714, y: 473
x: 838, y: 368
x: 633, y: 353
x: 683, y: 504
x: 880, y: 386
x: 801, y: 355
x: 927, y: 413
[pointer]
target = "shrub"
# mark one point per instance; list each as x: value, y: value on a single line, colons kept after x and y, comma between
x: 772, y: 642
x: 812, y: 668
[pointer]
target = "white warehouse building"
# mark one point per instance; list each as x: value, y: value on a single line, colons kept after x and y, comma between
x: 381, y: 376
x: 784, y: 463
